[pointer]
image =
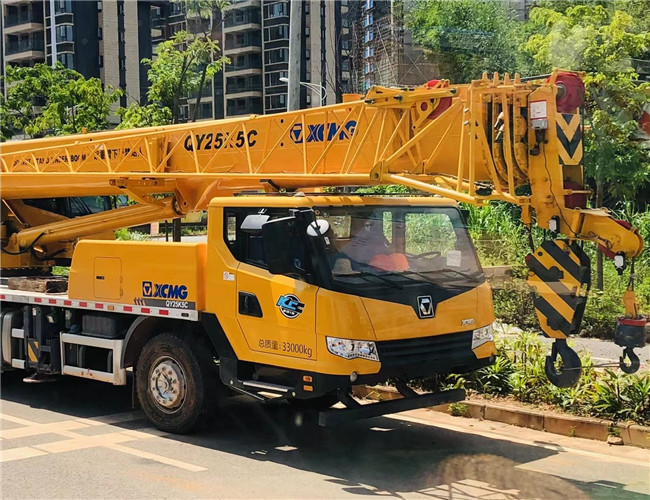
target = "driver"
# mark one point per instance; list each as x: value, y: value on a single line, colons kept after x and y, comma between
x: 368, y: 246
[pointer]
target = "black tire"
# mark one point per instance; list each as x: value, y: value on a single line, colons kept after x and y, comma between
x: 314, y: 404
x: 176, y: 381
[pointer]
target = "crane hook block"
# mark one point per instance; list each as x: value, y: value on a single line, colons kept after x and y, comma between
x: 634, y: 365
x: 571, y: 368
x: 630, y: 333
x: 559, y: 272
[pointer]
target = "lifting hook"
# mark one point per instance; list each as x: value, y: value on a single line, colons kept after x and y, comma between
x: 633, y: 367
x: 571, y: 369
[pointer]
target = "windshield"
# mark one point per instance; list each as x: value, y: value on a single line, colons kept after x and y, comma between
x: 398, y: 246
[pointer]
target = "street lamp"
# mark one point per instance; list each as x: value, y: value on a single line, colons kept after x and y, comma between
x: 312, y: 86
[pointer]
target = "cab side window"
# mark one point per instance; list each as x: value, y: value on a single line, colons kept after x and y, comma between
x: 246, y: 246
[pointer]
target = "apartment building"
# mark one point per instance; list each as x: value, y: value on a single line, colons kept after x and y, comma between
x: 100, y: 39
x: 254, y: 35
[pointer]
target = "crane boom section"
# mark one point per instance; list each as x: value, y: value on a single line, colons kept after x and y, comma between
x: 473, y: 143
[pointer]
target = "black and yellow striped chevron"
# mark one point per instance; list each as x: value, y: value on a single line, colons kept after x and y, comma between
x: 569, y: 134
x: 560, y: 273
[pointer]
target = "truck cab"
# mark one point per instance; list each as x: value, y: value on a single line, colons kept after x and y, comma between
x: 344, y: 290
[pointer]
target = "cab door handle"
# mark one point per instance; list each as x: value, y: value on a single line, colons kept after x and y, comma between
x: 249, y: 305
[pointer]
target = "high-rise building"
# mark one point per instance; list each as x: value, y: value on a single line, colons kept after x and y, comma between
x: 98, y: 39
x: 384, y: 51
x: 254, y: 35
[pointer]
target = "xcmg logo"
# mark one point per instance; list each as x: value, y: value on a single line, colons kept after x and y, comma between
x: 318, y: 132
x: 164, y: 290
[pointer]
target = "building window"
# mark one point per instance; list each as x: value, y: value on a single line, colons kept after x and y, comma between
x: 100, y: 61
x: 369, y: 36
x: 276, y: 10
x: 276, y: 101
x: 306, y: 31
x: 99, y: 6
x: 64, y: 33
x: 66, y: 59
x: 369, y: 20
x: 123, y: 63
x: 370, y: 4
x: 307, y: 54
x: 308, y: 76
x: 120, y: 8
x: 370, y: 51
x: 306, y: 7
x: 276, y: 56
x: 308, y: 98
x: 63, y: 6
x: 276, y: 33
x: 122, y: 36
x: 100, y: 34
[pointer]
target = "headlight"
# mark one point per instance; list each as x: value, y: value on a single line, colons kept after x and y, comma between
x: 351, y: 349
x: 482, y: 335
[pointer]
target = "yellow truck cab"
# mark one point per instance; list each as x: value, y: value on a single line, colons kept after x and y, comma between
x: 303, y: 296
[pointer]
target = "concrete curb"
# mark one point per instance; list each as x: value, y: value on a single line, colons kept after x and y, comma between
x: 565, y: 425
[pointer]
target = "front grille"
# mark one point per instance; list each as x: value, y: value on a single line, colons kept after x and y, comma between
x: 438, y: 347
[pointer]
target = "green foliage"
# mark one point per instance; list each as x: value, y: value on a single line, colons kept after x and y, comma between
x: 622, y: 397
x: 125, y: 235
x: 60, y: 271
x: 519, y: 373
x: 601, y: 41
x: 458, y: 409
x: 150, y: 115
x: 182, y: 66
x: 44, y: 100
x: 513, y: 304
x: 466, y: 37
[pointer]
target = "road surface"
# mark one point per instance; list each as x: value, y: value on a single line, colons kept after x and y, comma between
x: 81, y: 439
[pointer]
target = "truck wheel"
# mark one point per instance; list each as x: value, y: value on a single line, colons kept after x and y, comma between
x: 175, y: 381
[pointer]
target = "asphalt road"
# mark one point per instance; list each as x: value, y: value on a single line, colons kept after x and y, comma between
x: 81, y: 439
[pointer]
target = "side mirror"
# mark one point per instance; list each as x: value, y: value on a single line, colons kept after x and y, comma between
x: 279, y: 236
x: 317, y: 228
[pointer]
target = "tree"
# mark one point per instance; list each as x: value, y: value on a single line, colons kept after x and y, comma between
x: 183, y: 65
x: 466, y: 37
x: 603, y: 42
x: 44, y: 100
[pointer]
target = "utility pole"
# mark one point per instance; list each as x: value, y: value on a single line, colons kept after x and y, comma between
x: 53, y: 31
x: 295, y: 54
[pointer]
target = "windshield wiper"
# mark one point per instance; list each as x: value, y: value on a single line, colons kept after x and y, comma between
x: 460, y: 273
x: 366, y: 274
x: 424, y: 277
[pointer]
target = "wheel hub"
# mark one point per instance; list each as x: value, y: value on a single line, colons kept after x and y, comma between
x: 167, y: 384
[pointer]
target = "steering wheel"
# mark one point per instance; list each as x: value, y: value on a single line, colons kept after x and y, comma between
x: 425, y: 254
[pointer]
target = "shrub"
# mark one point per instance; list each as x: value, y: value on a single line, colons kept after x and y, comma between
x: 126, y: 235
x: 513, y: 304
x: 458, y: 409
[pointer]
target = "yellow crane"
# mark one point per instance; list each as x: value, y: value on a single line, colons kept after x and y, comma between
x: 299, y: 293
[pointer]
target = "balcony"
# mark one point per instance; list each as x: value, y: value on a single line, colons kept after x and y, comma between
x: 241, y: 43
x: 23, y: 19
x: 241, y: 20
x: 24, y: 49
x: 245, y: 90
x: 242, y: 4
x: 244, y: 106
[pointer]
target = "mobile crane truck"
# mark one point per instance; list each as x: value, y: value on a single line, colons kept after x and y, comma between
x: 300, y: 293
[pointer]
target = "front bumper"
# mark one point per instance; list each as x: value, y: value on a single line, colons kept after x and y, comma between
x: 410, y: 359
